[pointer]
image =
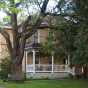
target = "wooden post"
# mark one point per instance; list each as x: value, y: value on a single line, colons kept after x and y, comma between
x: 68, y: 59
x: 52, y: 63
x: 33, y: 61
x: 25, y: 57
x: 38, y: 36
x: 26, y: 53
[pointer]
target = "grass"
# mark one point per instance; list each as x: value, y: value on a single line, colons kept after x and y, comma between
x: 66, y: 83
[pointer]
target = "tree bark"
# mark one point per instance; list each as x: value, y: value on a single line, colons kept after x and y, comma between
x: 16, y: 72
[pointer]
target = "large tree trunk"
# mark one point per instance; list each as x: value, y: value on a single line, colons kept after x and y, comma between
x: 16, y: 72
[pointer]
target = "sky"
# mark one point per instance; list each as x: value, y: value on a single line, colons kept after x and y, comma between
x: 51, y: 4
x: 2, y: 15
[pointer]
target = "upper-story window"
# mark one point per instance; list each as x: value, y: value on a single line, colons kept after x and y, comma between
x: 33, y: 38
x: 42, y: 35
x: 39, y: 37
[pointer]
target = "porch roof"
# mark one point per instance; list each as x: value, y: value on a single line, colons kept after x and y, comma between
x: 35, y: 46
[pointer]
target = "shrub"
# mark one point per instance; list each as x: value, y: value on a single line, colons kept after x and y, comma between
x: 5, y: 68
x: 71, y: 76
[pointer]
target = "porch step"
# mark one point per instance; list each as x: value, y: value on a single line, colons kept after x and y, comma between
x: 47, y: 75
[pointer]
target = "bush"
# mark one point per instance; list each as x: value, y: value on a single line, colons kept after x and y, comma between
x: 5, y: 68
x: 71, y: 76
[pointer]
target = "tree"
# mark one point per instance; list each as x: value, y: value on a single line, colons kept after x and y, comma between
x: 65, y: 38
x: 76, y: 44
x: 16, y: 47
x: 81, y: 42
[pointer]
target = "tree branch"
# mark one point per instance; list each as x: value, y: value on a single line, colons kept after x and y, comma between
x: 8, y: 41
x: 29, y: 31
x: 38, y: 22
x: 44, y: 6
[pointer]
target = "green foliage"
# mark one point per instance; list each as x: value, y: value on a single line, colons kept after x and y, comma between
x: 5, y: 66
x: 14, y: 10
x: 80, y: 56
x: 81, y: 43
x: 72, y: 35
x: 48, y: 47
x: 81, y: 9
x: 65, y: 37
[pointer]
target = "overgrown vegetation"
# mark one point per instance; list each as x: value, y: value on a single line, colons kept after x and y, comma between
x: 5, y: 66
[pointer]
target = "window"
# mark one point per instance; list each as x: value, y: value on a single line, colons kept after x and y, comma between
x: 37, y: 59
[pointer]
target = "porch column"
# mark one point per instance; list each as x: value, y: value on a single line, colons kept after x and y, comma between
x: 38, y: 36
x: 68, y: 59
x: 52, y: 63
x: 26, y: 53
x: 33, y: 61
x: 25, y: 63
x: 66, y: 65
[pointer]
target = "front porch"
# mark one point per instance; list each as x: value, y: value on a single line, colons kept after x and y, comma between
x: 37, y: 67
x: 36, y: 64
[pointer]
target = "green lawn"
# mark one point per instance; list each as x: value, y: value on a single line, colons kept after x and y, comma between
x: 47, y: 84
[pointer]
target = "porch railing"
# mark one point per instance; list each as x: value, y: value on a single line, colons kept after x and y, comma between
x: 47, y: 68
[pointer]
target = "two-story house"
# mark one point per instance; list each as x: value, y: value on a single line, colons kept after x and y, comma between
x: 34, y: 64
x: 38, y: 66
